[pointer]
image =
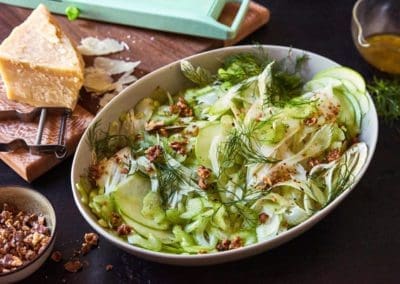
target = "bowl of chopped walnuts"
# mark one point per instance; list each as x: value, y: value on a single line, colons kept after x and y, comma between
x: 27, y: 232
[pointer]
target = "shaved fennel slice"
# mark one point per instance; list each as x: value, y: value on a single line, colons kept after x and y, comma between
x: 111, y: 170
x: 295, y: 215
x: 338, y: 175
x: 265, y: 80
x: 213, y: 153
x: 269, y: 229
x: 317, y: 144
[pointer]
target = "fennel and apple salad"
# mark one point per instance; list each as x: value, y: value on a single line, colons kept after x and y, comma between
x: 242, y: 156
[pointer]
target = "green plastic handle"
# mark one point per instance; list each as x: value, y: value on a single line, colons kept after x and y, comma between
x: 193, y: 17
x: 239, y: 16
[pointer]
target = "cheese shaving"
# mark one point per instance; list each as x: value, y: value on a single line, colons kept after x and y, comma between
x: 94, y: 46
x: 113, y: 66
x: 97, y: 80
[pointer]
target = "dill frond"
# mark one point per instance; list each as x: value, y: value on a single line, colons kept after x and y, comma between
x: 386, y: 94
x: 104, y: 145
x: 344, y: 180
x: 242, y: 143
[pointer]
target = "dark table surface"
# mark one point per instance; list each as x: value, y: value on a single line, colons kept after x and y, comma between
x: 359, y: 241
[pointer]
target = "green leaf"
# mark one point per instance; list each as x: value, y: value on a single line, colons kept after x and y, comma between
x: 386, y: 94
x: 72, y: 13
x: 197, y: 75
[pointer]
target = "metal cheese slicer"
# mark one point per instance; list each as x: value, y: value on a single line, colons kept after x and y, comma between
x: 59, y: 149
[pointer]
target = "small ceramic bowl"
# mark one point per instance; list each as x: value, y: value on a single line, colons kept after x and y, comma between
x: 29, y: 201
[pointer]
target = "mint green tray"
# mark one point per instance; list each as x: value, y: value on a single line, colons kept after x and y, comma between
x: 193, y: 17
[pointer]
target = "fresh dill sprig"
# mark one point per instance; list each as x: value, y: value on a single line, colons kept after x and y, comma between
x: 287, y: 82
x: 239, y: 67
x: 103, y: 144
x: 386, y: 94
x: 300, y: 61
x: 198, y: 75
x: 344, y: 180
x: 172, y: 177
x: 243, y: 142
x: 109, y: 144
x: 243, y: 204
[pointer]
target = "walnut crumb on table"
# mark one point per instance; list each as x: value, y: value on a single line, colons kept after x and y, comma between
x: 56, y: 256
x: 73, y: 265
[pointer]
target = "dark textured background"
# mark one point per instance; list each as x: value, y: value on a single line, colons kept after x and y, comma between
x: 358, y: 242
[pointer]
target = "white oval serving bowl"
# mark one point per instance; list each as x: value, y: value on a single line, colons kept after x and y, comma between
x: 171, y: 79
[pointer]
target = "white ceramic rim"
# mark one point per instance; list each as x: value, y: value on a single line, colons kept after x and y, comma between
x: 230, y: 255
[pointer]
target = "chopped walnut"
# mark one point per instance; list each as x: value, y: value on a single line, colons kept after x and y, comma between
x: 153, y: 152
x: 332, y: 155
x: 91, y: 238
x: 115, y: 220
x: 182, y: 108
x: 174, y: 109
x: 22, y: 237
x: 56, y: 256
x: 94, y: 173
x: 223, y: 245
x: 263, y: 218
x: 185, y: 110
x: 281, y: 173
x: 9, y: 261
x: 203, y: 173
x: 237, y: 242
x: 124, y: 230
x: 85, y: 248
x: 179, y: 146
x: 73, y: 266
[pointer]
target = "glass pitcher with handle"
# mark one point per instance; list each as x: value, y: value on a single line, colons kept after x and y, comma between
x: 376, y: 33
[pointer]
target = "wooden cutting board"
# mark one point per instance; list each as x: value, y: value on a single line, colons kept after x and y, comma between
x: 153, y: 48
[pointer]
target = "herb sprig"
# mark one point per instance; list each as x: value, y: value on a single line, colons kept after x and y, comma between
x: 197, y: 75
x: 386, y: 94
x: 242, y: 143
x: 104, y: 144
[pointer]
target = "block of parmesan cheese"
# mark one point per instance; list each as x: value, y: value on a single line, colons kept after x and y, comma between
x: 39, y: 64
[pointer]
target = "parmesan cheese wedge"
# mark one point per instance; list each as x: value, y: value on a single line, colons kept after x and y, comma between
x: 39, y: 64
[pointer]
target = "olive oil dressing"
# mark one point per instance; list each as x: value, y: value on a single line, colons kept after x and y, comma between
x: 383, y: 52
